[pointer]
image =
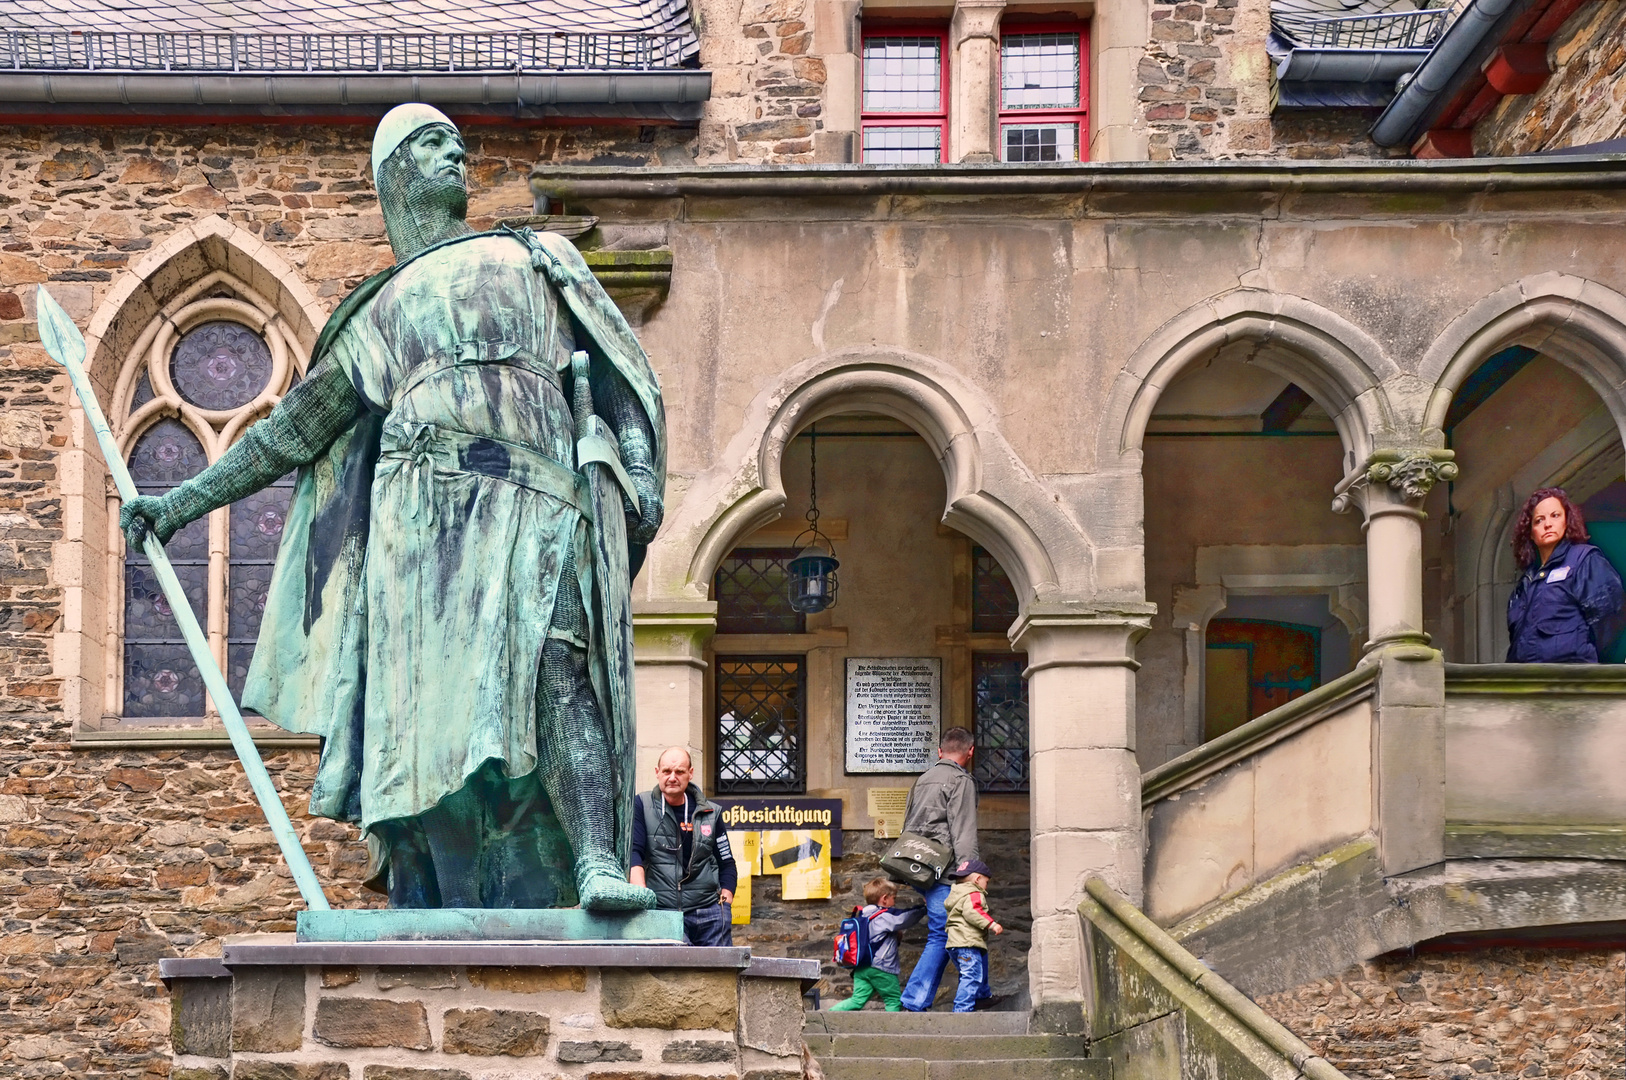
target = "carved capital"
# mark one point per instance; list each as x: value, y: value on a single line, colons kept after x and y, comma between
x: 1410, y: 474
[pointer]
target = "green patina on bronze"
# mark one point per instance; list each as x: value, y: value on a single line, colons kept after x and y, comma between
x: 450, y: 606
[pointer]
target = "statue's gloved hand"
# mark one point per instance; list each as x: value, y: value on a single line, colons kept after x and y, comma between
x: 157, y: 514
x: 642, y: 526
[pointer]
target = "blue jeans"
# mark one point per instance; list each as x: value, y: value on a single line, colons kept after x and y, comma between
x: 710, y: 925
x: 928, y: 972
x: 973, y: 965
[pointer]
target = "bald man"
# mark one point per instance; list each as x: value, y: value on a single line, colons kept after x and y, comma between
x: 680, y: 850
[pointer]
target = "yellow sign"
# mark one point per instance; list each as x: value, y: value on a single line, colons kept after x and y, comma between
x: 744, y: 847
x: 887, y: 806
x: 802, y: 858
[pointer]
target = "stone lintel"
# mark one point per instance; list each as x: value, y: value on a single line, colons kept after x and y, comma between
x: 484, y: 954
x: 488, y: 925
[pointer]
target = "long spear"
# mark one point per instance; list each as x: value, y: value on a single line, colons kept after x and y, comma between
x: 66, y: 346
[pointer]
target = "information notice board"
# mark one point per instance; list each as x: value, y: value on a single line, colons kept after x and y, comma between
x: 894, y: 712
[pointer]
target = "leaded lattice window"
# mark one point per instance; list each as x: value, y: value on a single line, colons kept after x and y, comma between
x: 904, y: 98
x: 999, y: 721
x: 211, y: 369
x: 760, y: 724
x: 993, y: 597
x: 1042, y: 112
x: 752, y: 590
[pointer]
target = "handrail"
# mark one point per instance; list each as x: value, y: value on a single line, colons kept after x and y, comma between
x: 1255, y: 735
x: 1241, y: 1007
x: 142, y: 52
x: 1535, y: 678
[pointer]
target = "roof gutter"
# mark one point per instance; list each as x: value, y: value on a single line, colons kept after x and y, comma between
x: 671, y: 93
x: 1348, y: 65
x: 1463, y: 47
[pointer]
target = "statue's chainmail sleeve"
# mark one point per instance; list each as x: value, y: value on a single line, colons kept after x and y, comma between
x: 614, y: 400
x: 301, y: 426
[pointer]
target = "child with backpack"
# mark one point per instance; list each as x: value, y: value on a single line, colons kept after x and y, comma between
x: 868, y: 943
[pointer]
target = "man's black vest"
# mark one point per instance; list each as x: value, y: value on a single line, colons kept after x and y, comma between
x: 680, y: 888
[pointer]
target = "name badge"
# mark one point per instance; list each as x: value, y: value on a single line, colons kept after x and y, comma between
x: 1560, y: 574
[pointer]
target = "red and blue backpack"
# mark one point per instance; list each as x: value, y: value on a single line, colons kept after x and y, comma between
x: 852, y: 941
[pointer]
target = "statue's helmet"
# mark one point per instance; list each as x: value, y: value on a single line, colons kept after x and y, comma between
x: 398, y: 126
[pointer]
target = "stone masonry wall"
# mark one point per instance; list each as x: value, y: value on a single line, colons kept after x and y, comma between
x: 805, y: 928
x: 1584, y: 101
x: 1205, y: 91
x: 767, y: 93
x: 486, y: 1023
x: 1493, y: 1014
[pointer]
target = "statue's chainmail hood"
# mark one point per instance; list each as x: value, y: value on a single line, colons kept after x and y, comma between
x: 418, y: 210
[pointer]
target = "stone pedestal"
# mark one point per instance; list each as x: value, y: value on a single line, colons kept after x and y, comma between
x: 273, y: 1008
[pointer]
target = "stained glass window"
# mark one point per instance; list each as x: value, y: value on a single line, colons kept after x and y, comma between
x: 1000, y: 721
x: 752, y: 590
x: 221, y: 367
x: 160, y: 678
x: 760, y: 718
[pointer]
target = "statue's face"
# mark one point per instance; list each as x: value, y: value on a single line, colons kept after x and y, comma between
x: 439, y: 152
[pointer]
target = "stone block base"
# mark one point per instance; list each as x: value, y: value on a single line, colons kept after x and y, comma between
x: 488, y: 924
x: 273, y: 1008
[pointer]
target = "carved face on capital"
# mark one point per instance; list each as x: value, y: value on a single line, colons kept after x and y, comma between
x: 439, y: 152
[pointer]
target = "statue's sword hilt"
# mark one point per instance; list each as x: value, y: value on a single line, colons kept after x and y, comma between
x: 66, y: 346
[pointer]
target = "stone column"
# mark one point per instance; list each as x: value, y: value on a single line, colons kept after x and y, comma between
x: 1118, y: 36
x: 836, y: 46
x: 1410, y: 703
x: 669, y: 648
x: 974, y: 80
x: 1390, y: 492
x: 1084, y: 780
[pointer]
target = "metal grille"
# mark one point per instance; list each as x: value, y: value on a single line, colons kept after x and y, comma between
x: 761, y: 724
x: 1038, y: 71
x: 292, y: 53
x: 1041, y: 142
x: 993, y: 597
x: 1000, y: 721
x: 1390, y: 30
x: 903, y: 74
x: 752, y: 590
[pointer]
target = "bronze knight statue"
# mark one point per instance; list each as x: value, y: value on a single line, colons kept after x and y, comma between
x: 449, y: 606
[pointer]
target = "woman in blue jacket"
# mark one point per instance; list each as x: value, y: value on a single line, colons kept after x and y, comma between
x: 1566, y: 588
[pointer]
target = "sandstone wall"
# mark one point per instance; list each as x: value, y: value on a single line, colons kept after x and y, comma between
x: 1488, y: 1014
x: 1584, y: 101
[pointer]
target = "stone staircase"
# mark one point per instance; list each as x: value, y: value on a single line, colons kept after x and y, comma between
x: 944, y: 1046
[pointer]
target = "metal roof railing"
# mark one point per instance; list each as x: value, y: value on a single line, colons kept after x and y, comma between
x: 1391, y: 30
x: 290, y: 54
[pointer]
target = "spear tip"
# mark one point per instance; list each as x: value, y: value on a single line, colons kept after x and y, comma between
x: 58, y: 334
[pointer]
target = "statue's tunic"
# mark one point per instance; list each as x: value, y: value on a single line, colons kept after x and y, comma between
x: 468, y: 535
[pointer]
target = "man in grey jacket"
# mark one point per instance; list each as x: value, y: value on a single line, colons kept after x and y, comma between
x: 943, y: 807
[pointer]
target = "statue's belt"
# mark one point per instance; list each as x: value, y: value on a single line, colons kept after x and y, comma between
x: 427, y: 447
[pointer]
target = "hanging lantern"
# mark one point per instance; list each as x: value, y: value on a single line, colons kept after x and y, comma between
x: 813, y: 571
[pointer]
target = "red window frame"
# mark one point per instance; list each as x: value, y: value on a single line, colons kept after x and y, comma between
x: 898, y: 118
x: 1079, y: 115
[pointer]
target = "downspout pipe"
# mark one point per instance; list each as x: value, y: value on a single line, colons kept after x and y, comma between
x: 1463, y: 47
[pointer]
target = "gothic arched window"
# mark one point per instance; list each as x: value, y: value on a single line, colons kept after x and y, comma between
x: 208, y: 370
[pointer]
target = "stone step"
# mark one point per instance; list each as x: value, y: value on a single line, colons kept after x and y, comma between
x: 919, y: 1069
x: 945, y: 1047
x: 879, y: 1022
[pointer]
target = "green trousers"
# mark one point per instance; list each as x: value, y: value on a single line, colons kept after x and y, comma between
x: 870, y: 981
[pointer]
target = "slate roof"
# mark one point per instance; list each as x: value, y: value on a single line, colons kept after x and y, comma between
x: 347, y: 16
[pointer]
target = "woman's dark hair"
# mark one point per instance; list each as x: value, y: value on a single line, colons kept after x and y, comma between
x: 1524, y: 548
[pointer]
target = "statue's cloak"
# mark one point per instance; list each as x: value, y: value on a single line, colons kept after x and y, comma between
x: 309, y: 669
